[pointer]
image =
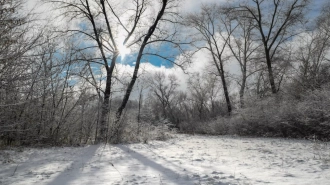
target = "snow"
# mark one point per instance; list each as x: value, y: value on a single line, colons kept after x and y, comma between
x: 183, y: 160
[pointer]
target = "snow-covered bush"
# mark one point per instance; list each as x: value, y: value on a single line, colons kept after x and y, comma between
x: 133, y: 131
x: 280, y: 116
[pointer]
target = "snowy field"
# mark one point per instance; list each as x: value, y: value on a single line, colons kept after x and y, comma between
x: 183, y: 160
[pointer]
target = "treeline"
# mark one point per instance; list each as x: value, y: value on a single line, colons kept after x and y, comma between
x: 66, y: 86
x: 283, y: 86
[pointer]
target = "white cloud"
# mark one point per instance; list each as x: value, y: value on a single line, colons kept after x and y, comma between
x: 192, y: 5
x: 200, y: 60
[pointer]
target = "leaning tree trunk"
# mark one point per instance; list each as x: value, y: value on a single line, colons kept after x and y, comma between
x: 115, y: 136
x: 242, y: 89
x: 225, y: 89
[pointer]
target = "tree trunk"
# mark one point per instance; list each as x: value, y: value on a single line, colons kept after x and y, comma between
x: 105, y: 110
x: 140, y: 104
x: 115, y: 137
x: 242, y: 89
x: 225, y: 89
x: 223, y: 79
x: 270, y: 72
x: 106, y: 102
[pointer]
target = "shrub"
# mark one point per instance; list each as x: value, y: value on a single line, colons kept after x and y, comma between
x: 280, y: 116
x: 275, y: 116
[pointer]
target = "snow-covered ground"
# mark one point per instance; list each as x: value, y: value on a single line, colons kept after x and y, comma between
x: 182, y: 160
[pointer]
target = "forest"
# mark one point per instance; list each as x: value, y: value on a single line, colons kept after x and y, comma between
x: 76, y: 72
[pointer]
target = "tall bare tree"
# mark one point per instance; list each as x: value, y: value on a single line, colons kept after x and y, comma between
x: 276, y: 21
x: 112, y: 30
x: 156, y: 34
x: 209, y: 24
x: 115, y: 26
x: 243, y: 46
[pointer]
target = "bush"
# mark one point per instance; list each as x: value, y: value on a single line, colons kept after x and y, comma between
x: 280, y: 116
x: 133, y: 132
x: 275, y: 116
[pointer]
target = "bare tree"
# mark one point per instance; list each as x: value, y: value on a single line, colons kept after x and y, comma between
x: 276, y: 22
x: 243, y: 46
x: 156, y: 34
x: 209, y: 24
x: 204, y: 93
x: 164, y: 87
x: 104, y: 22
x: 17, y: 73
x: 113, y: 30
x: 312, y: 53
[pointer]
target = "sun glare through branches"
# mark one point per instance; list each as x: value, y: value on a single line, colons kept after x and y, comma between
x: 123, y: 51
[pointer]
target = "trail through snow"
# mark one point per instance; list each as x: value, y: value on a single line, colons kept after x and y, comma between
x: 183, y: 160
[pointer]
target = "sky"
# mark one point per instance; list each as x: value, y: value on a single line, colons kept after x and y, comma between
x: 46, y: 10
x: 151, y: 63
x: 186, y: 6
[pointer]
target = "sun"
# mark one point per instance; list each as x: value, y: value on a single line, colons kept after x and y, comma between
x: 123, y: 51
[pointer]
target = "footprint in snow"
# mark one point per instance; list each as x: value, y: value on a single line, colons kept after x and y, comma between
x: 289, y: 175
x: 300, y: 161
x: 324, y: 167
x: 215, y: 172
x: 198, y: 159
x: 196, y: 176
